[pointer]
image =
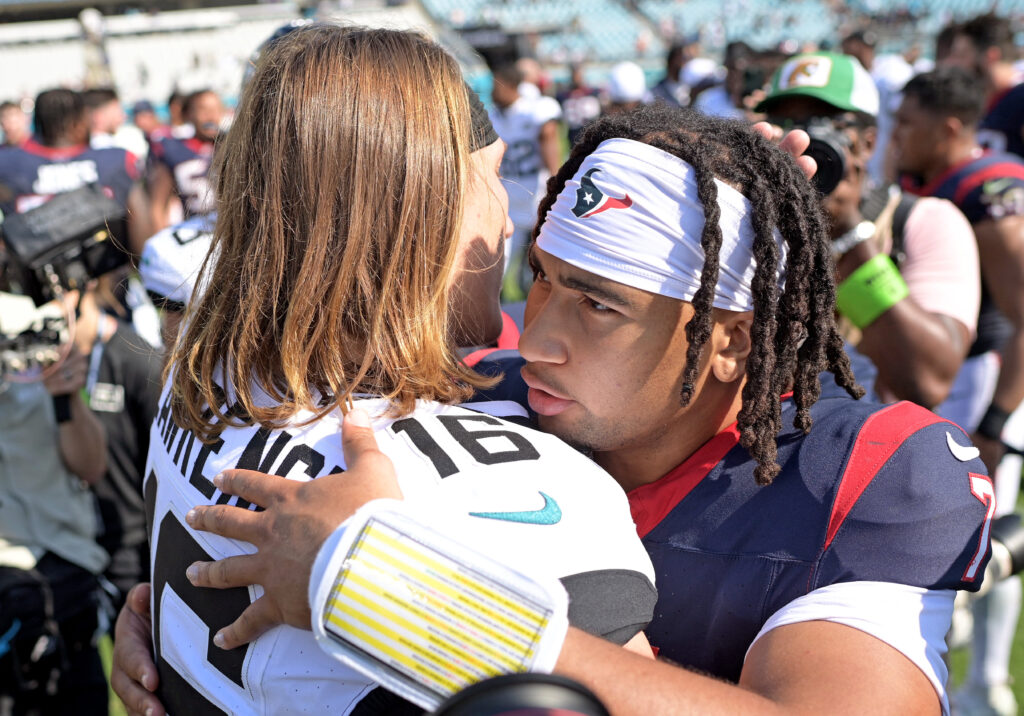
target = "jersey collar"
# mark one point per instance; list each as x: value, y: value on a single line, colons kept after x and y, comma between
x: 32, y: 146
x: 651, y: 503
x: 931, y: 187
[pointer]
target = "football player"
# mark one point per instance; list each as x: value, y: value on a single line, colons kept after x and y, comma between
x: 806, y: 549
x: 529, y: 127
x: 984, y: 46
x: 937, y: 147
x: 170, y: 265
x: 180, y: 167
x: 58, y: 159
x: 310, y: 307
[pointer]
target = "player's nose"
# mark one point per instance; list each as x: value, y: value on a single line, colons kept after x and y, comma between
x: 542, y: 341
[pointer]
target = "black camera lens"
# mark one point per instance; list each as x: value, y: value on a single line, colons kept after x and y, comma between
x: 523, y: 694
x: 827, y: 148
x: 831, y: 166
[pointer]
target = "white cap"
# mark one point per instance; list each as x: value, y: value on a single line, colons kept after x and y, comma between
x: 701, y: 70
x: 626, y: 83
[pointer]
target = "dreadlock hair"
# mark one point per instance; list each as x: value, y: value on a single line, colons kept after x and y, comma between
x: 794, y: 334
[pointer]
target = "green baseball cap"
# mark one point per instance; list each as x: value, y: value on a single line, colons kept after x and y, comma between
x: 839, y: 80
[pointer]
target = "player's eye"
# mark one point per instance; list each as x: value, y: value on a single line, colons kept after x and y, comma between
x: 538, y: 272
x: 597, y: 306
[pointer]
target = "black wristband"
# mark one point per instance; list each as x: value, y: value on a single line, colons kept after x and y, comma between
x: 992, y: 423
x: 62, y: 408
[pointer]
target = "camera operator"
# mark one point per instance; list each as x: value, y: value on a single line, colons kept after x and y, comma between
x: 917, y: 332
x: 51, y: 448
x: 59, y: 159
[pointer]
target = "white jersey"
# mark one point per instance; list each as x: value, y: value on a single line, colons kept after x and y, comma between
x: 522, y: 170
x: 172, y: 258
x: 536, y: 499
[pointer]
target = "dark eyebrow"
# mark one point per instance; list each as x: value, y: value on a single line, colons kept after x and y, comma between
x: 592, y: 287
x: 596, y: 290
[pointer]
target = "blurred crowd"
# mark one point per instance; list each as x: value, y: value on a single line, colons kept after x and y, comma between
x: 921, y: 160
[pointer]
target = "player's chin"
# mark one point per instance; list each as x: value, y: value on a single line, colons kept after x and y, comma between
x: 567, y: 427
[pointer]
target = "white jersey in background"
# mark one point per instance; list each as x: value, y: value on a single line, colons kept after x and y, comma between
x: 171, y: 260
x: 534, y: 500
x: 522, y: 169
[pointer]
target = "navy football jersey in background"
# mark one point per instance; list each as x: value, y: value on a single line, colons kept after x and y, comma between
x: 987, y: 187
x: 189, y: 163
x: 31, y: 174
x: 1002, y: 129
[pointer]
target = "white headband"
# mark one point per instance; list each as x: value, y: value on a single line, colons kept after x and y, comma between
x: 631, y: 214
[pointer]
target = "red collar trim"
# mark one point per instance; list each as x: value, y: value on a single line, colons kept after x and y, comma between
x: 33, y: 147
x: 509, y: 339
x: 931, y: 187
x: 651, y: 503
x: 199, y: 146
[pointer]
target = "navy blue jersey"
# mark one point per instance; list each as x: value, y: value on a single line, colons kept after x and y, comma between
x: 988, y: 187
x: 189, y: 163
x: 32, y: 173
x: 1002, y: 129
x: 870, y: 494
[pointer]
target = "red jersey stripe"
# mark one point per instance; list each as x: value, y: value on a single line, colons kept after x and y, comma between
x: 880, y: 436
x: 996, y: 171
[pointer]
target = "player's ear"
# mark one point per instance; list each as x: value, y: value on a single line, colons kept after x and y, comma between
x: 952, y: 127
x: 731, y: 340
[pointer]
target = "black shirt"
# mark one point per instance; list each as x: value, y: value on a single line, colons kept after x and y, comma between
x: 123, y: 387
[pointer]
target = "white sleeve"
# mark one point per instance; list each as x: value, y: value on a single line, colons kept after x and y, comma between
x: 172, y: 258
x: 912, y: 620
x: 547, y: 109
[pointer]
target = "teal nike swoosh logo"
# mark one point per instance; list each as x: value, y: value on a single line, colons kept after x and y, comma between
x: 549, y: 514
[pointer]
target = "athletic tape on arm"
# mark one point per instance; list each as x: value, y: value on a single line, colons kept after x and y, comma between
x: 422, y: 614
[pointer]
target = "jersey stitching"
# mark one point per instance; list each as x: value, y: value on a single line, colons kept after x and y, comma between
x: 869, y: 461
x: 776, y: 569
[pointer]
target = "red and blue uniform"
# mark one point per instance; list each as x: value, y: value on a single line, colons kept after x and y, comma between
x: 871, y: 494
x: 31, y: 174
x: 1002, y: 129
x: 189, y: 163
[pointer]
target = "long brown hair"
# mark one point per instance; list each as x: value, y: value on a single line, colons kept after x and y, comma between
x: 339, y: 192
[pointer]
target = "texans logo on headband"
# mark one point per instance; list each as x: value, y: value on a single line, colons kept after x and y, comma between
x: 590, y: 200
